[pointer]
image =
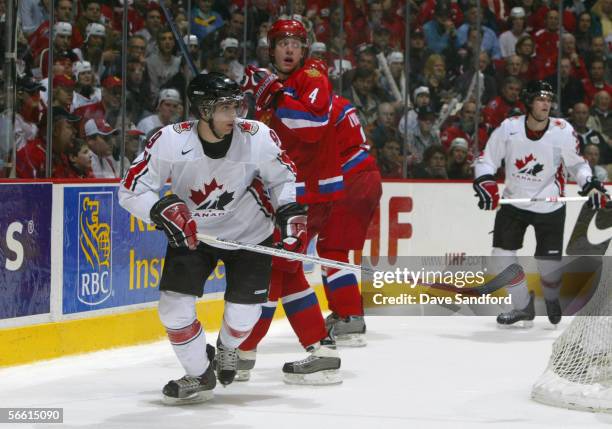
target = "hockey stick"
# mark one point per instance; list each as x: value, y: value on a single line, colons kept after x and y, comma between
x: 282, y: 253
x: 542, y: 200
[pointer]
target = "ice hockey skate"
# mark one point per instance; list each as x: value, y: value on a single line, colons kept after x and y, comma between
x: 320, y: 368
x: 348, y: 332
x: 246, y: 362
x: 192, y: 390
x: 518, y: 318
x: 553, y: 310
x: 226, y: 363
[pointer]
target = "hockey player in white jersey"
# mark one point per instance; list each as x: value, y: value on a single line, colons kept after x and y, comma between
x: 536, y: 150
x: 219, y: 166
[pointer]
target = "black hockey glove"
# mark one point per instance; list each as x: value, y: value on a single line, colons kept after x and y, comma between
x: 291, y: 221
x: 172, y: 215
x: 487, y: 192
x: 598, y: 196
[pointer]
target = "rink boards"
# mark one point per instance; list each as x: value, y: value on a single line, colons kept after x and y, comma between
x: 78, y: 273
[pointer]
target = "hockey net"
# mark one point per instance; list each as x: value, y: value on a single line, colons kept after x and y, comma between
x: 579, y: 373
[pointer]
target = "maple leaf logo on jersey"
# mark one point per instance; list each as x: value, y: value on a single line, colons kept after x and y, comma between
x: 248, y: 127
x: 213, y: 197
x: 528, y: 165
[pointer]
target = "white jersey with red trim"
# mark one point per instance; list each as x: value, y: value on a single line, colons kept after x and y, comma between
x: 226, y: 196
x: 534, y: 168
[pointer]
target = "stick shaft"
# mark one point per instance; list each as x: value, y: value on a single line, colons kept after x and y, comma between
x: 281, y: 253
x: 542, y: 200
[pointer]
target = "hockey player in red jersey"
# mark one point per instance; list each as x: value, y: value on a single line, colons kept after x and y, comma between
x: 347, y: 225
x: 296, y: 103
x: 217, y: 165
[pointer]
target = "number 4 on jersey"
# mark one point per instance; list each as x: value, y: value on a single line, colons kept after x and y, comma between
x: 313, y: 95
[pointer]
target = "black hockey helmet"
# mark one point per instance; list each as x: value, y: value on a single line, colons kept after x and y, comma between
x: 206, y: 90
x: 536, y: 88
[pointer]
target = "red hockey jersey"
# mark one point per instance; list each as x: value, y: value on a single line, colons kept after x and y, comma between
x: 352, y: 143
x: 300, y: 115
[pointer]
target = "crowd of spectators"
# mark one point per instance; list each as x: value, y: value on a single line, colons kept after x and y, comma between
x: 435, y: 136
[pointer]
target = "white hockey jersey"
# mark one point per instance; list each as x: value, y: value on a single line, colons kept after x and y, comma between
x: 534, y: 168
x: 226, y: 196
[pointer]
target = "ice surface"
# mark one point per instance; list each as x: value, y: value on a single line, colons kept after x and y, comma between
x: 416, y: 372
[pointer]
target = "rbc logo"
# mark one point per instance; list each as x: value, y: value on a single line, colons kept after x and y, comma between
x: 94, y: 256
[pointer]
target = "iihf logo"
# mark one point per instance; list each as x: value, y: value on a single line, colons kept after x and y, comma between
x: 95, y: 283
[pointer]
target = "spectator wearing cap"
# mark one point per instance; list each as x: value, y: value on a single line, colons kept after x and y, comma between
x: 63, y: 91
x: 464, y: 127
x: 422, y: 137
x: 489, y: 44
x: 440, y: 32
x: 63, y: 57
x: 93, y: 49
x: 433, y: 165
x: 108, y: 107
x: 395, y: 62
x: 153, y: 24
x: 133, y: 139
x: 167, y: 108
x: 318, y: 51
x: 86, y: 90
x: 79, y: 157
x: 98, y: 135
x: 192, y: 44
x: 39, y: 39
x: 458, y: 166
x: 262, y: 54
x: 498, y: 109
x: 32, y: 13
x: 418, y: 54
x: 229, y: 51
x: 28, y: 110
x: 508, y: 39
x: 384, y: 127
x: 163, y: 64
x: 204, y: 20
x: 408, y: 122
x: 579, y: 119
x: 31, y: 157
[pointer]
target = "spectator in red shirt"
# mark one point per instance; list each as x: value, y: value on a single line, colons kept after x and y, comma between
x: 568, y: 50
x: 464, y: 128
x: 31, y: 157
x: 108, y: 107
x: 547, y: 44
x: 62, y: 53
x: 525, y: 48
x: 497, y: 109
x: 596, y: 81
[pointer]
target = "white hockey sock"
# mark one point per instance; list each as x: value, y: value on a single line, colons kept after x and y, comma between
x: 551, y: 272
x: 519, y: 295
x: 551, y: 290
x: 177, y: 314
x: 238, y: 322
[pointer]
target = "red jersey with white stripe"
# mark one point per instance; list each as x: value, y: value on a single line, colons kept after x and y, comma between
x: 301, y: 116
x: 354, y: 150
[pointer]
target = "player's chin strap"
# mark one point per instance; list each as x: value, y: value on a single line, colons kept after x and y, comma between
x: 282, y: 253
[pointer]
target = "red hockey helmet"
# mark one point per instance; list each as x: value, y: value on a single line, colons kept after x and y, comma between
x: 287, y: 28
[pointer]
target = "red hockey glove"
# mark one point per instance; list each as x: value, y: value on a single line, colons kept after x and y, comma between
x: 172, y: 215
x: 262, y: 83
x: 291, y: 221
x: 487, y: 192
x: 598, y: 196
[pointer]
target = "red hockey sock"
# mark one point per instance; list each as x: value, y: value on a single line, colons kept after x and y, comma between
x: 341, y: 286
x: 302, y: 308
